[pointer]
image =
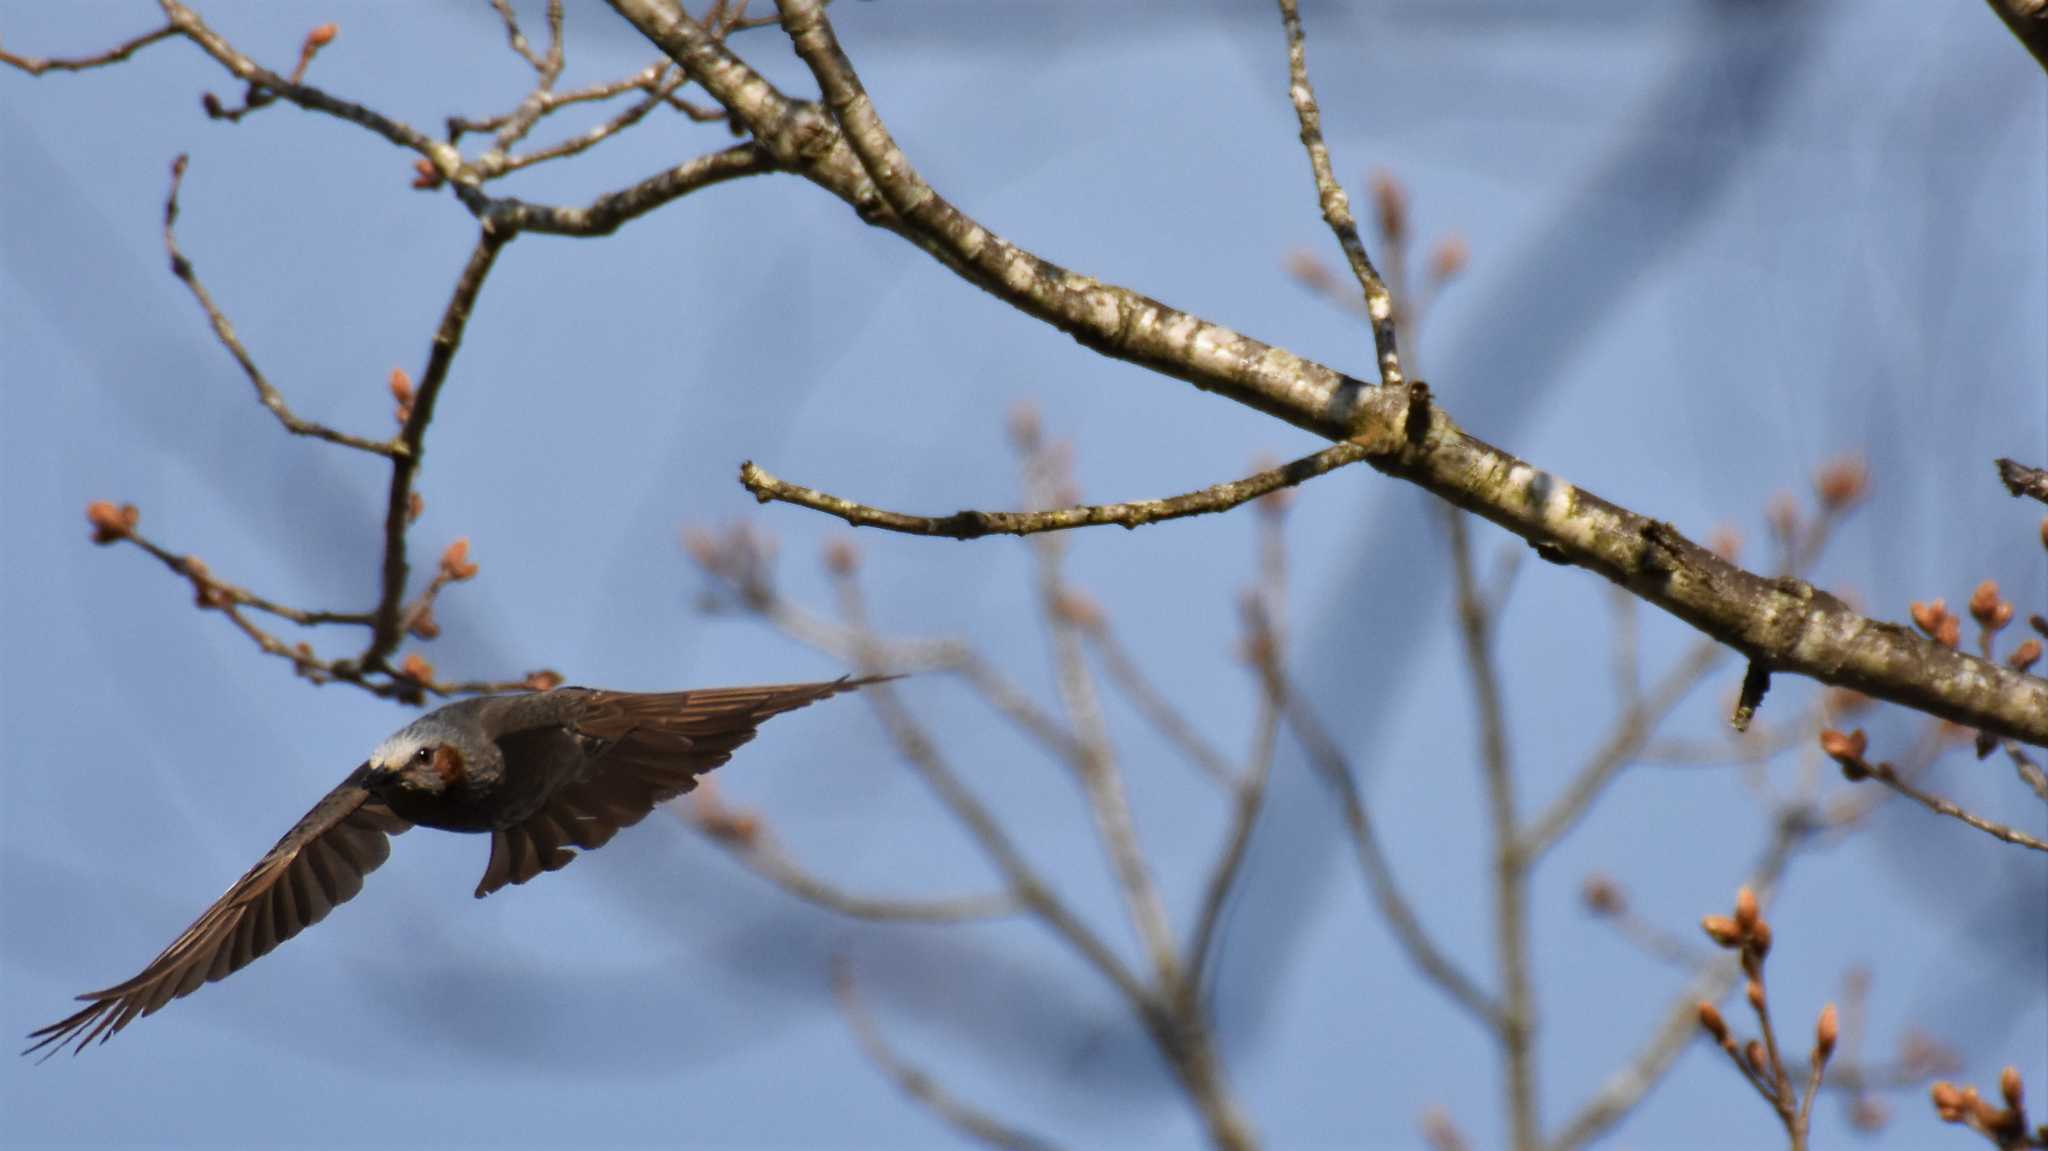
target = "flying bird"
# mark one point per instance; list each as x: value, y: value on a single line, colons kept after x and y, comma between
x: 542, y: 773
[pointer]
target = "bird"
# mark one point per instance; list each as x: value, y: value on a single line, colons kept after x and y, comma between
x: 543, y: 773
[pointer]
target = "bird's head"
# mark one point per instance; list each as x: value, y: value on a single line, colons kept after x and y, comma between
x: 424, y: 756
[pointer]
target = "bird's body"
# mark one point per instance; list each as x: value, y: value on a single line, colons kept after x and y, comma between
x: 542, y: 773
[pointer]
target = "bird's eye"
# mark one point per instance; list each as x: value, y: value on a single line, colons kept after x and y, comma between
x: 423, y: 755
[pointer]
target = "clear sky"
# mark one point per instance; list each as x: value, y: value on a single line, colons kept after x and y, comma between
x: 1713, y: 243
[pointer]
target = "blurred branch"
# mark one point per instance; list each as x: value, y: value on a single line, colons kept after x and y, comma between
x: 1515, y: 1023
x: 1031, y: 892
x: 963, y: 1117
x: 1156, y: 708
x: 37, y: 65
x: 548, y: 66
x: 967, y: 525
x: 1429, y: 959
x: 749, y: 844
x: 1101, y: 779
x: 1263, y: 606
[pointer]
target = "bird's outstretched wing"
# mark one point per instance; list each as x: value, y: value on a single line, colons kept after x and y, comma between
x: 643, y: 749
x: 319, y: 863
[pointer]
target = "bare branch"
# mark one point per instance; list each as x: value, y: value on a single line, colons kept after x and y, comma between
x: 1101, y: 779
x: 753, y: 849
x: 967, y: 525
x: 444, y: 158
x: 1156, y: 708
x: 1379, y: 305
x: 922, y: 754
x: 1263, y: 639
x: 211, y: 593
x: 517, y: 38
x: 1786, y: 624
x: 606, y: 213
x: 405, y: 461
x: 963, y: 1117
x: 1886, y: 774
x: 1621, y: 748
x: 37, y: 65
x: 1436, y: 966
x: 266, y: 393
x: 1628, y: 1086
x: 1516, y: 1019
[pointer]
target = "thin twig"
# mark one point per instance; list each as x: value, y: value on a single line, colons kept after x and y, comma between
x: 1436, y: 966
x: 2030, y: 773
x: 266, y: 393
x: 37, y: 65
x: 967, y: 525
x: 1032, y: 892
x: 1621, y: 748
x: 517, y: 38
x: 443, y: 157
x: 1156, y: 708
x: 1886, y: 774
x: 1379, y: 305
x: 758, y: 853
x: 969, y: 1120
x: 1263, y: 609
x: 1101, y: 779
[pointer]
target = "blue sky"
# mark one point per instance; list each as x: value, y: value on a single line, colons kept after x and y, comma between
x: 1713, y: 244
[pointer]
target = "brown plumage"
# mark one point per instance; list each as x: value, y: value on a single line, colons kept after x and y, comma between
x: 543, y: 773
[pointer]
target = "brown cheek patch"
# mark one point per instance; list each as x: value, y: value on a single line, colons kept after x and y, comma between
x: 449, y: 766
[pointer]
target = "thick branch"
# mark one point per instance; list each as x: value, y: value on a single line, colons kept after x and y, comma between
x: 1787, y: 625
x: 967, y: 525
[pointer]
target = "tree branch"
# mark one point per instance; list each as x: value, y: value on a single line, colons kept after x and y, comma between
x: 1785, y: 624
x: 1379, y: 305
x: 266, y: 394
x: 405, y: 461
x: 37, y: 65
x: 1434, y: 964
x: 967, y: 525
x: 963, y: 1117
